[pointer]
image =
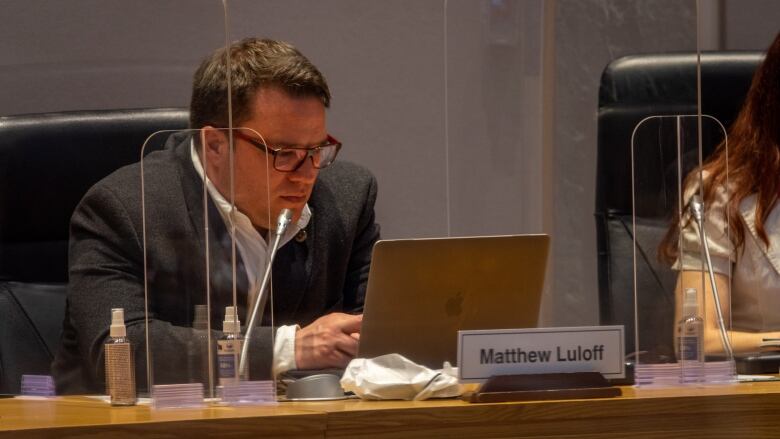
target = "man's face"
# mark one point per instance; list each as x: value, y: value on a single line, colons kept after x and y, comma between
x: 283, y: 121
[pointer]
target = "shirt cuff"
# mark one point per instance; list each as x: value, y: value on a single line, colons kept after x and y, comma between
x: 284, y: 349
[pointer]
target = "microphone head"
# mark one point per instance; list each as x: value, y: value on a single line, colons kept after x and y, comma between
x: 697, y: 207
x: 285, y: 216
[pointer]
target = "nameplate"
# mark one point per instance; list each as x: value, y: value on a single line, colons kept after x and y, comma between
x: 485, y: 353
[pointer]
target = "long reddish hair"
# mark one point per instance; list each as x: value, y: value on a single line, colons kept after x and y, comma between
x: 753, y: 158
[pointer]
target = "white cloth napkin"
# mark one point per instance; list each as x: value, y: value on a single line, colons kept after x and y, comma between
x: 393, y: 376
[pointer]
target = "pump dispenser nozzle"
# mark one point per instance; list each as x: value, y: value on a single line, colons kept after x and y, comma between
x: 118, y: 323
x: 231, y: 325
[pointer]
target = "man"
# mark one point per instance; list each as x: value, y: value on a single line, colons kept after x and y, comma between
x: 282, y: 158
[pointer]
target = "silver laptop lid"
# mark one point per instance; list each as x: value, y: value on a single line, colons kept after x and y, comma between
x: 422, y: 291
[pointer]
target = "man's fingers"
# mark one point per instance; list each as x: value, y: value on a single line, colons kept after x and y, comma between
x: 331, y: 341
x: 347, y: 345
x: 351, y: 323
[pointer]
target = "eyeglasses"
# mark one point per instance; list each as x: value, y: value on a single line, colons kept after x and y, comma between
x: 290, y: 159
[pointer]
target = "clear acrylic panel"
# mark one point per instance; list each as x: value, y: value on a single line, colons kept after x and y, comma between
x: 678, y: 338
x: 641, y: 76
x: 497, y: 166
x: 445, y: 115
x: 197, y: 280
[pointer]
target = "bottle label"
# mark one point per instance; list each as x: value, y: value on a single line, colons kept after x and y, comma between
x: 689, y: 348
x: 120, y: 374
x: 227, y: 359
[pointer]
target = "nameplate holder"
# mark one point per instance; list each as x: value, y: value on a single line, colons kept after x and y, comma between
x: 542, y: 387
x: 248, y: 393
x: 176, y: 396
x: 486, y: 353
x: 541, y: 363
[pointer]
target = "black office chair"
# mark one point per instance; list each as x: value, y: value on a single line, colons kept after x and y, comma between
x: 47, y: 163
x: 633, y: 88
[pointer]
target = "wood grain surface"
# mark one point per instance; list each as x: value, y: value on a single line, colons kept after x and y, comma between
x: 742, y: 410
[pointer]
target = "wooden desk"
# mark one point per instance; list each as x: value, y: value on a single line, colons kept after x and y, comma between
x: 737, y: 411
x: 81, y: 417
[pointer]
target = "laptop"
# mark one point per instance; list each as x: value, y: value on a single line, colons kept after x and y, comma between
x: 422, y: 291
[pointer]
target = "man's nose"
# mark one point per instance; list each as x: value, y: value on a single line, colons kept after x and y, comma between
x: 307, y: 173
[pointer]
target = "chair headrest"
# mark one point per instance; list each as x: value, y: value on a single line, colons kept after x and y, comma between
x: 48, y: 162
x: 638, y: 86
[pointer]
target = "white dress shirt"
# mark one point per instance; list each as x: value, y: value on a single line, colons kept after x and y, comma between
x: 254, y: 251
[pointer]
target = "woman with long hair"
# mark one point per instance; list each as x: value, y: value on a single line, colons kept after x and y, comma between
x: 740, y: 189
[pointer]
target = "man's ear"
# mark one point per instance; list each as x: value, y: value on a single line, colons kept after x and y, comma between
x: 216, y: 143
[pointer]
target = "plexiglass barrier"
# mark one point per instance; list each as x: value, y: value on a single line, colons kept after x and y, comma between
x: 680, y: 333
x: 205, y: 201
x: 445, y: 115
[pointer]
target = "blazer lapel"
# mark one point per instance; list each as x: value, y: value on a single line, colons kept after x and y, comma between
x: 192, y: 187
x: 220, y: 246
x: 221, y: 259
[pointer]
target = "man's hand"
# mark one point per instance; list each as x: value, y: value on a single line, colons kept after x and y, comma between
x: 330, y: 341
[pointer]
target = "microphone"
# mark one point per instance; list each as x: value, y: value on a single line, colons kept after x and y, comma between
x: 697, y: 210
x: 285, y: 216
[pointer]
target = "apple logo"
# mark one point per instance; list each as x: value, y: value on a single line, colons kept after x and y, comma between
x: 454, y: 305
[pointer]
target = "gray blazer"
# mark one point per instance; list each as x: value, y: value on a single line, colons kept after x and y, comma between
x: 326, y: 272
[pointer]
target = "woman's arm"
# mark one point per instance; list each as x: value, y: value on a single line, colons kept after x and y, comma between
x: 741, y: 341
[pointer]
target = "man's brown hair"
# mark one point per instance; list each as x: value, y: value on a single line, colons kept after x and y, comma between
x: 254, y: 63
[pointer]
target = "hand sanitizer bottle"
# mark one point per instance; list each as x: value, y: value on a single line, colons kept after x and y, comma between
x: 229, y: 347
x: 690, y: 337
x: 120, y: 368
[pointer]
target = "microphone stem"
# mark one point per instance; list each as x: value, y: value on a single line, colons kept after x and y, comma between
x: 259, y: 305
x: 721, y: 325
